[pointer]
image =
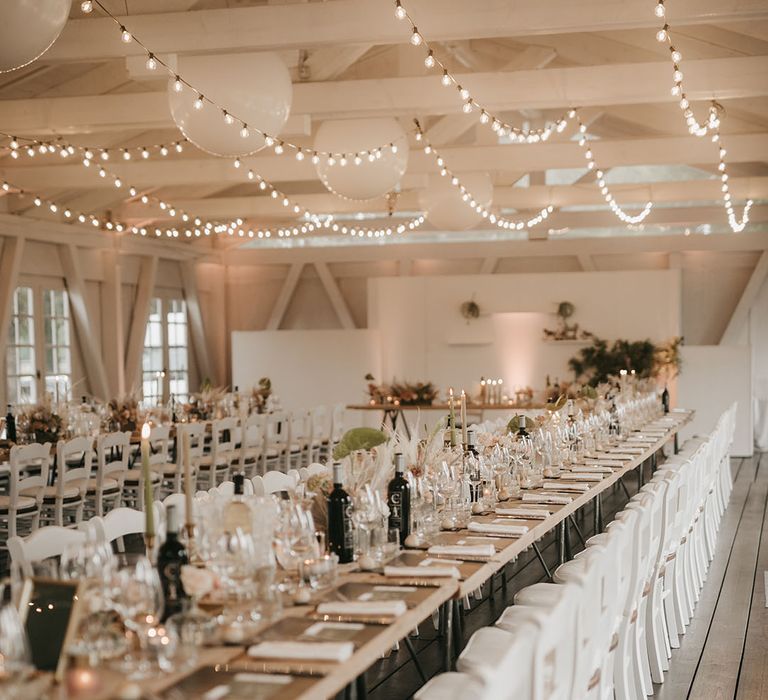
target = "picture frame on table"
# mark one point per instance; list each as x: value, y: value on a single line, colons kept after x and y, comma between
x: 50, y: 610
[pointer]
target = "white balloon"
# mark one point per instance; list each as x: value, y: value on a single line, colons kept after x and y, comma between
x: 369, y: 179
x: 443, y: 202
x: 28, y: 28
x: 254, y: 88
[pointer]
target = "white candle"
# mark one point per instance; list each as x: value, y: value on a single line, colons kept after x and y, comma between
x: 464, y: 419
x: 189, y: 487
x: 149, y: 516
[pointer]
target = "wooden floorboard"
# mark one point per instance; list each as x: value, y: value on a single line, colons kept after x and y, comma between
x: 685, y: 660
x: 718, y: 671
x: 753, y: 678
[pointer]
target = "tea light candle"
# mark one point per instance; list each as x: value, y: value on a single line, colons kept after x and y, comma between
x: 82, y: 682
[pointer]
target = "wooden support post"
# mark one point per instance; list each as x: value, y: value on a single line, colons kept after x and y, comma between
x: 284, y: 298
x: 741, y: 312
x: 94, y: 366
x: 144, y: 290
x: 195, y: 318
x: 334, y: 294
x: 112, y: 331
x: 10, y: 264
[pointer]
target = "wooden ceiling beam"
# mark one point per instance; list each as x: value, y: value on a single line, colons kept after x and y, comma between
x: 548, y: 88
x: 303, y: 25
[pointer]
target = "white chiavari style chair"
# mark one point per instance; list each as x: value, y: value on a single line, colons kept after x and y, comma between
x: 120, y: 522
x: 276, y: 442
x: 20, y: 509
x: 274, y: 481
x: 113, y: 450
x: 215, y: 465
x: 252, y: 444
x: 44, y: 543
x: 454, y: 686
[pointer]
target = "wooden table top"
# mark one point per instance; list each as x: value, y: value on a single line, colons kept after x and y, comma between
x: 445, y: 407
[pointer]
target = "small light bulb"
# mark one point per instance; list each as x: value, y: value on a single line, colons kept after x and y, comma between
x: 178, y: 86
x: 279, y: 149
x: 86, y: 6
x: 676, y: 56
x: 163, y: 151
x: 126, y: 154
x: 299, y: 155
x: 178, y: 147
x: 244, y: 133
x: 446, y: 79
x: 151, y: 62
x: 228, y: 118
x: 144, y: 153
x: 661, y: 35
x: 399, y: 10
x: 678, y: 76
x: 125, y: 35
x: 199, y: 102
x: 429, y: 61
x: 416, y: 37
x: 659, y: 10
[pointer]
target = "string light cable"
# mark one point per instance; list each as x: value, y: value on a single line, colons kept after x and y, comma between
x: 711, y: 126
x: 229, y: 118
x: 470, y: 104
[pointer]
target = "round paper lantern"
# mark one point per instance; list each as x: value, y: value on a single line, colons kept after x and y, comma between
x: 255, y: 88
x: 371, y: 178
x: 443, y: 202
x: 28, y: 28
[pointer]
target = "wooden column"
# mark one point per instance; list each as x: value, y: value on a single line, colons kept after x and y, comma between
x: 10, y: 264
x: 113, y: 333
x: 195, y: 318
x: 144, y: 290
x: 94, y: 366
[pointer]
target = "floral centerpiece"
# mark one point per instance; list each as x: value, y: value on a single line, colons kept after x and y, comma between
x: 402, y: 393
x: 260, y: 394
x: 124, y: 413
x: 203, y: 404
x: 41, y: 422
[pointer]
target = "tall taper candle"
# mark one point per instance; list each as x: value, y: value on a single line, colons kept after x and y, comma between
x: 451, y: 417
x: 189, y: 487
x: 149, y: 516
x: 464, y: 419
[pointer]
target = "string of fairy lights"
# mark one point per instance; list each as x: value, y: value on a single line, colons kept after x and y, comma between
x: 711, y: 126
x: 195, y: 226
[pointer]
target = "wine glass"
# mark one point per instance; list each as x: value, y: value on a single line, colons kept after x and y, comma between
x: 15, y: 660
x: 138, y: 597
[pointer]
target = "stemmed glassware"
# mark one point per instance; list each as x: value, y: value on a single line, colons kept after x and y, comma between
x: 15, y: 660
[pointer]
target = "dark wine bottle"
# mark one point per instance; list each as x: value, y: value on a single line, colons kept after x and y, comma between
x: 399, y: 500
x: 521, y: 425
x: 340, y: 536
x: 471, y: 449
x: 171, y: 556
x: 10, y: 425
x: 665, y: 399
x: 613, y: 426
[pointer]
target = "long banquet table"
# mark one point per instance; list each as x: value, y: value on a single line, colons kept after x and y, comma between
x: 311, y: 680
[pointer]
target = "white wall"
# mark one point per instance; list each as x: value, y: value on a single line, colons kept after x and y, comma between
x: 307, y: 368
x: 712, y: 378
x: 423, y: 335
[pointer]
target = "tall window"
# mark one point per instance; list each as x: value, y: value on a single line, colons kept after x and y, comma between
x: 38, y: 358
x: 165, y: 363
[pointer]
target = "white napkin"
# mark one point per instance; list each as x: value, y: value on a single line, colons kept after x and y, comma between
x: 626, y: 452
x: 644, y: 439
x: 604, y: 463
x: 582, y: 476
x: 421, y: 571
x: 560, y: 485
x: 525, y: 513
x: 456, y: 550
x: 363, y: 607
x: 592, y: 469
x: 492, y: 529
x: 305, y: 651
x: 551, y: 498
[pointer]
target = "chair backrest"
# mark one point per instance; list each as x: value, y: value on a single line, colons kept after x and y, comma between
x: 277, y: 429
x: 43, y: 543
x: 258, y: 486
x: 77, y: 451
x: 223, y: 437
x: 555, y: 650
x: 160, y: 440
x: 113, y: 452
x: 278, y: 481
x: 196, y: 433
x: 314, y: 469
x: 227, y: 488
x: 123, y: 521
x: 178, y: 501
x: 251, y: 438
x: 23, y: 457
x: 321, y: 423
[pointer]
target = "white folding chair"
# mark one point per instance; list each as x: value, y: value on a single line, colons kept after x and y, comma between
x: 42, y: 544
x: 67, y: 495
x: 20, y: 509
x: 453, y: 686
x: 252, y: 444
x: 215, y: 465
x: 274, y: 481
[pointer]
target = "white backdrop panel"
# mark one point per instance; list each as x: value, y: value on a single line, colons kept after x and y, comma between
x: 423, y: 335
x: 307, y: 368
x: 712, y: 378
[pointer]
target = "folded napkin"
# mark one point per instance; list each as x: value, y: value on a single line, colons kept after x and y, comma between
x: 645, y: 439
x: 526, y: 513
x: 421, y: 571
x: 581, y: 476
x: 624, y: 453
x: 498, y: 529
x: 304, y: 651
x: 551, y: 498
x: 561, y: 485
x: 456, y: 550
x: 604, y: 463
x: 592, y: 469
x: 363, y: 607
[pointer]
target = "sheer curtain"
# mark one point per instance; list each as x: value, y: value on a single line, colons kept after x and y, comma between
x: 758, y: 320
